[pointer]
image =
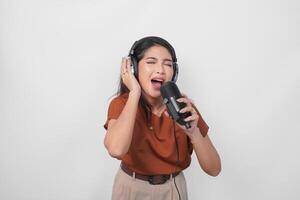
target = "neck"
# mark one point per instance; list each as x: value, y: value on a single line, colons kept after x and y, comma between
x: 156, y: 104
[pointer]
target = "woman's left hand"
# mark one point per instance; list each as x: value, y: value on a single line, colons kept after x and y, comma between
x: 193, y: 119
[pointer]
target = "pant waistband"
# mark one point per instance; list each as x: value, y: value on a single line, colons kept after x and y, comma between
x: 153, y: 179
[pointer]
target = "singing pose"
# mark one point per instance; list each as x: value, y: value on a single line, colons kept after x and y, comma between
x: 152, y: 147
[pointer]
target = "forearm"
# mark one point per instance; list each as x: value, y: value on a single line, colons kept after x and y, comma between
x: 207, y: 155
x: 119, y: 135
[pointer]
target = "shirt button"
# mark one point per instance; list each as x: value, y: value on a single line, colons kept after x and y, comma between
x: 150, y: 127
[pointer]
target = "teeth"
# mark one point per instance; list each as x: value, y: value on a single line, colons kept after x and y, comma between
x: 157, y: 80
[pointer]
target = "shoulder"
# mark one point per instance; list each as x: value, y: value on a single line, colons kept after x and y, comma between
x: 115, y: 108
x: 120, y: 99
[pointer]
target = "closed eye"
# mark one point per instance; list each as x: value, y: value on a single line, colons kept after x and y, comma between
x: 150, y: 62
x: 168, y: 64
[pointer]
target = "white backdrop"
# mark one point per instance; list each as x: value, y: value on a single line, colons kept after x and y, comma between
x: 59, y: 63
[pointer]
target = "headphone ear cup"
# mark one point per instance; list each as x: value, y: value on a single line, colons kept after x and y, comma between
x: 134, y: 66
x: 175, y: 70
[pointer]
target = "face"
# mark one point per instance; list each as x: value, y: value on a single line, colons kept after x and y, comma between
x: 155, y: 68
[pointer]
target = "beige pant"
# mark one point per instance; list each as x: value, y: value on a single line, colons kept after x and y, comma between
x: 129, y: 188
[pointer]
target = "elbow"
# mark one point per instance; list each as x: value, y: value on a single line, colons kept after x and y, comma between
x: 214, y: 172
x: 114, y: 151
x: 215, y: 168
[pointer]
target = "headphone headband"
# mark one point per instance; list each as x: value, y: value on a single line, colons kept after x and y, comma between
x: 137, y: 42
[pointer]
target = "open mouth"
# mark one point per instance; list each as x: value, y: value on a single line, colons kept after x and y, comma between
x: 156, y: 83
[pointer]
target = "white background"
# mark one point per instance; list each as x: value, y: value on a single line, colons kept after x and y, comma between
x: 59, y: 64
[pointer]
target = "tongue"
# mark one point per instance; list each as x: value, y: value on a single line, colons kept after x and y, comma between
x: 156, y: 85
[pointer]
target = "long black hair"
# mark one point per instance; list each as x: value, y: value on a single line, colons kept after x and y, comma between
x: 140, y: 47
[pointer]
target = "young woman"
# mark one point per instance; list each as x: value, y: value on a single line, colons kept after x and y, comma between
x: 153, y: 149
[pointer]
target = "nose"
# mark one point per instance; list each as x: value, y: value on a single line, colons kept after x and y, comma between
x: 160, y: 68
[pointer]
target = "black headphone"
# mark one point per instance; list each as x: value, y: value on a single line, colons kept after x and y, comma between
x: 134, y: 60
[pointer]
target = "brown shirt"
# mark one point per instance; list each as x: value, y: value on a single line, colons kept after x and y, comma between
x: 153, y: 148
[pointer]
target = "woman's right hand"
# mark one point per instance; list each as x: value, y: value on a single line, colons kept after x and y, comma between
x: 128, y: 77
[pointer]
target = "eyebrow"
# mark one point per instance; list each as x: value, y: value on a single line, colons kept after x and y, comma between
x: 156, y: 59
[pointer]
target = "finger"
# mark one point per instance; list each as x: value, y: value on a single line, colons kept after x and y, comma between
x: 181, y: 99
x: 185, y: 100
x: 187, y: 109
x: 128, y: 61
x: 190, y: 118
x: 166, y: 113
x: 121, y: 68
x: 123, y: 65
x: 126, y: 64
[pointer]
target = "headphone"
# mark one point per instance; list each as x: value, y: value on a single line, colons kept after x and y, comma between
x: 134, y: 60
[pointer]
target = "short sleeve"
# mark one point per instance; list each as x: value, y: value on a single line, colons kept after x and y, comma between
x: 114, y: 110
x: 203, y: 127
